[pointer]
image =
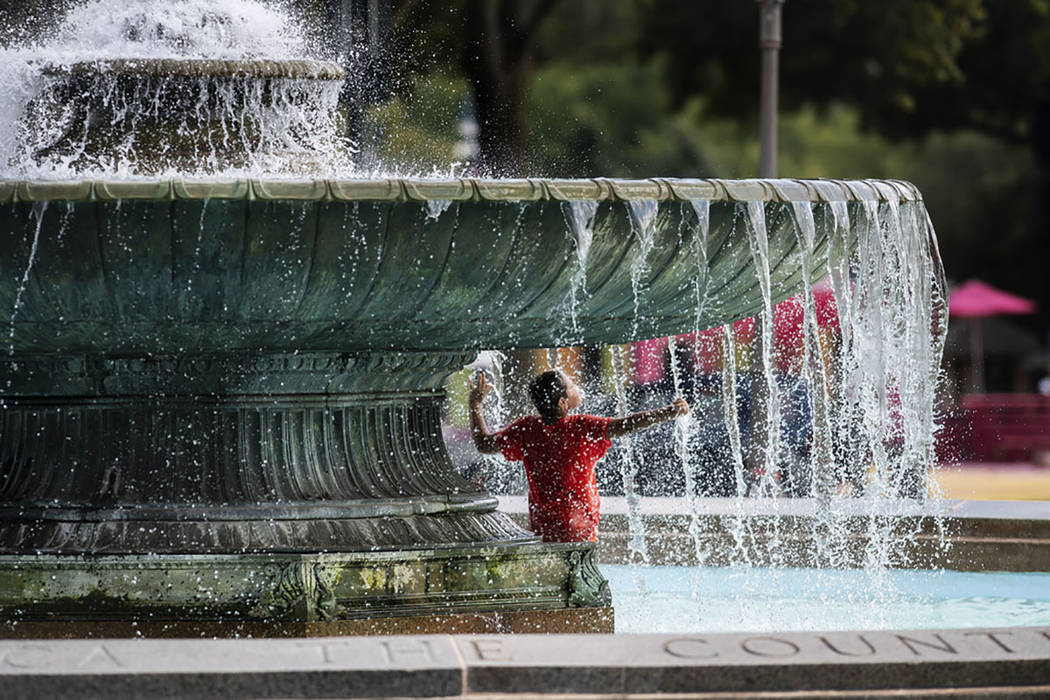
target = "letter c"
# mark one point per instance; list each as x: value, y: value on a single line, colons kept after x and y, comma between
x: 689, y: 648
x: 28, y: 656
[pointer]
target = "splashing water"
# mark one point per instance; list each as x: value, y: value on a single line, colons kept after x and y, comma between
x: 621, y: 364
x: 39, y: 209
x: 437, y: 207
x: 215, y: 29
x: 143, y: 70
x: 838, y: 410
x: 491, y: 363
x: 643, y: 218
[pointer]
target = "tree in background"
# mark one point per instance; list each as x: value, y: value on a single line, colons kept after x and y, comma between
x: 912, y: 70
x: 492, y: 44
x: 497, y: 58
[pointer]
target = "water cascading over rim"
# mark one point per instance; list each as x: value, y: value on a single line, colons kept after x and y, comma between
x: 258, y: 365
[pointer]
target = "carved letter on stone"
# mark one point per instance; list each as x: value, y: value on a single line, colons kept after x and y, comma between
x: 689, y: 648
x: 773, y: 646
x: 101, y: 654
x: 994, y: 637
x: 490, y: 650
x: 840, y: 652
x: 407, y: 652
x: 910, y: 641
x: 28, y: 656
x: 326, y: 649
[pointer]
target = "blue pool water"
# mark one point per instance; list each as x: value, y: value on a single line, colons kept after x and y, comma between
x: 676, y: 599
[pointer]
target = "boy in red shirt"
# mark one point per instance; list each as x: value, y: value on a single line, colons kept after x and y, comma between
x: 559, y: 451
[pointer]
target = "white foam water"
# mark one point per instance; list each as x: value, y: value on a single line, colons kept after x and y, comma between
x: 38, y: 211
x: 281, y: 125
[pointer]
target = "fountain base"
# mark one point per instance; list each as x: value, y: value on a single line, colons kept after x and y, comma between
x: 263, y: 493
x: 533, y: 587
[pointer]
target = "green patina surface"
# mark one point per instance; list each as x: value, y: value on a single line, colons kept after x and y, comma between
x: 250, y: 274
x: 301, y: 587
x: 192, y: 360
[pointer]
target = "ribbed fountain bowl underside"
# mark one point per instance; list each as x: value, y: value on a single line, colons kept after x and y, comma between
x: 142, y: 267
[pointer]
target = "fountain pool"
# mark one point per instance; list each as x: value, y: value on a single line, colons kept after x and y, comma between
x: 687, y: 600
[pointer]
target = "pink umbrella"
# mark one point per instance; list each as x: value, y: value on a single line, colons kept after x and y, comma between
x: 975, y: 300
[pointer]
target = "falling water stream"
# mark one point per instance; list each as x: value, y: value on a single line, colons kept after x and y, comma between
x: 863, y: 375
x: 39, y: 209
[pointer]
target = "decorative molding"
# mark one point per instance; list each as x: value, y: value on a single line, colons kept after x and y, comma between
x: 192, y: 455
x: 236, y: 373
x: 461, y: 189
x: 587, y: 586
x: 280, y: 586
x: 303, y: 534
x: 258, y: 69
x: 302, y: 590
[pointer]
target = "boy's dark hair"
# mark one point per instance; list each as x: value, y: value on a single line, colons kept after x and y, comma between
x: 546, y: 390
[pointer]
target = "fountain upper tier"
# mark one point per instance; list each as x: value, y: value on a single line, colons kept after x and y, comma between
x: 357, y: 265
x: 142, y: 117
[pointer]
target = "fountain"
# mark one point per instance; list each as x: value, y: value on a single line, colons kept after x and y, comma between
x: 225, y: 355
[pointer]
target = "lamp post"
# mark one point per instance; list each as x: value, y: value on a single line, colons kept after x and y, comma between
x: 769, y: 30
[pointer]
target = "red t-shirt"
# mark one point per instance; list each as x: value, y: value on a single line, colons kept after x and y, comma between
x: 559, y: 464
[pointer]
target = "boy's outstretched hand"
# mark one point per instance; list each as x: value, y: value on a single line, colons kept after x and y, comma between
x: 481, y: 387
x: 646, y: 419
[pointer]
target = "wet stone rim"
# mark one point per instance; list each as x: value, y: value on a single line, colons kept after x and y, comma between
x: 462, y: 189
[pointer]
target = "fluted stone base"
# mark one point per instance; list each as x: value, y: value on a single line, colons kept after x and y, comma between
x: 270, y: 460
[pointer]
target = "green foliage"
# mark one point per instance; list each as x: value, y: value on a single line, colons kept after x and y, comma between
x: 418, y: 126
x: 613, y: 119
x: 882, y: 56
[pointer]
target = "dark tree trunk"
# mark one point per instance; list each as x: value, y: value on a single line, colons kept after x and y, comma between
x: 358, y: 35
x: 498, y: 63
x: 1041, y: 149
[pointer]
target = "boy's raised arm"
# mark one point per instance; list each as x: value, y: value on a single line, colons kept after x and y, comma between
x: 646, y: 419
x: 483, y: 439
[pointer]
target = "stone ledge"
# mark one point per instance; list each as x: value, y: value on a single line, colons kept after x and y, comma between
x: 930, y: 663
x: 982, y: 535
x: 459, y: 189
x: 592, y: 620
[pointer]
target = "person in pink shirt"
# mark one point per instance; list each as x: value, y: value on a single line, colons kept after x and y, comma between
x: 559, y: 451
